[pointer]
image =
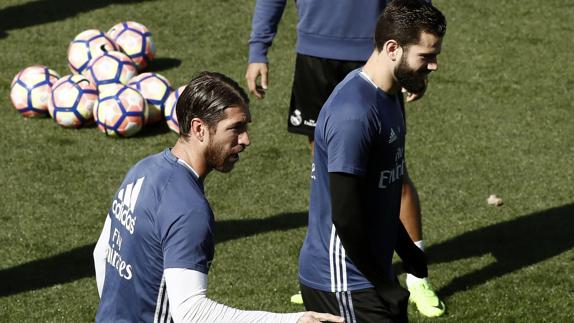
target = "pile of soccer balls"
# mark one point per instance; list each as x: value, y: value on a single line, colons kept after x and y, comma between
x: 104, y: 85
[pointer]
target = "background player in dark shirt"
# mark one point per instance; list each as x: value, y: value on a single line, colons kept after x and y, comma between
x: 358, y: 172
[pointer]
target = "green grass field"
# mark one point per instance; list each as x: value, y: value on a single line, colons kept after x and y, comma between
x: 497, y: 119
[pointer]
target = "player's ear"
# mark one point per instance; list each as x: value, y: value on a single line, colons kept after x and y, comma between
x: 198, y: 129
x: 392, y: 49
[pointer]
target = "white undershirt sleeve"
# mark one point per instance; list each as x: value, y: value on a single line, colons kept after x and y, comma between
x: 187, y: 295
x: 100, y: 254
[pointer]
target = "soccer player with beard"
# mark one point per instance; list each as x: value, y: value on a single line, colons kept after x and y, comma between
x: 358, y: 171
x: 330, y: 44
x: 157, y: 244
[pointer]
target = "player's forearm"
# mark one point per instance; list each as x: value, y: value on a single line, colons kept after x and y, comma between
x: 266, y: 17
x: 100, y: 255
x: 205, y: 310
x: 187, y: 290
x: 414, y: 259
x: 349, y: 218
x: 353, y: 229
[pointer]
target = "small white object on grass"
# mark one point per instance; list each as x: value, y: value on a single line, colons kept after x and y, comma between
x: 494, y: 200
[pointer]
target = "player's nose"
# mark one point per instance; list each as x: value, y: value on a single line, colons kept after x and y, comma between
x: 244, y: 139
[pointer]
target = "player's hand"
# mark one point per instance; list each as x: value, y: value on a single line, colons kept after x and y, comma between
x: 314, y: 317
x: 254, y: 71
x: 411, y: 97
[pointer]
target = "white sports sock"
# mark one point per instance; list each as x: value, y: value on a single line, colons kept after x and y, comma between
x: 420, y: 244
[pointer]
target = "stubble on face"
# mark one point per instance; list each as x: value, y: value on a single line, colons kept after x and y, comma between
x: 414, y: 81
x: 216, y: 157
x: 227, y: 139
x: 424, y: 57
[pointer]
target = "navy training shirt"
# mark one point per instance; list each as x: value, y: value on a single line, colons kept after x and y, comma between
x: 159, y: 219
x: 360, y: 131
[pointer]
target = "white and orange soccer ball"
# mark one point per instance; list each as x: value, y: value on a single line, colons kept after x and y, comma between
x: 135, y: 40
x: 31, y: 88
x: 72, y: 101
x: 110, y: 68
x: 86, y: 46
x: 169, y: 109
x: 155, y: 88
x: 120, y: 111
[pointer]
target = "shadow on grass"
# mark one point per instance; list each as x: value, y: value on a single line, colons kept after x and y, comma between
x: 162, y: 63
x: 159, y: 128
x: 234, y: 229
x: 44, y: 11
x: 514, y: 244
x: 65, y: 267
x: 78, y: 263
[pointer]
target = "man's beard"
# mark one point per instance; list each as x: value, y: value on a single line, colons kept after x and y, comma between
x: 411, y: 80
x: 217, y: 158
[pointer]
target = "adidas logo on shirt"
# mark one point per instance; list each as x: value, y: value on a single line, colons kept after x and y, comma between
x: 393, y: 136
x: 125, y: 203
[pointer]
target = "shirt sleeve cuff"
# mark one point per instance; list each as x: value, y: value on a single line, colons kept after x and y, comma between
x: 257, y: 53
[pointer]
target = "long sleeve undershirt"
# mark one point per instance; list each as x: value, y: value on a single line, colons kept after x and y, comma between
x: 187, y: 293
x: 351, y: 223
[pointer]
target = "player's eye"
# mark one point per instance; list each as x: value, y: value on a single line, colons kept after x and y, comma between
x: 429, y: 57
x: 239, y: 128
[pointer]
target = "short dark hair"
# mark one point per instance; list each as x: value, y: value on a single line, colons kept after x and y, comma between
x: 206, y: 97
x: 405, y: 20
